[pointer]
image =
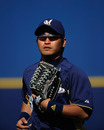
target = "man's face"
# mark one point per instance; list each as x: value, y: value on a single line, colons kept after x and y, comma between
x: 50, y: 45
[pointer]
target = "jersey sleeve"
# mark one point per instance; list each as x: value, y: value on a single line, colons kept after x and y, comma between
x: 81, y: 91
x: 27, y: 75
x: 25, y: 93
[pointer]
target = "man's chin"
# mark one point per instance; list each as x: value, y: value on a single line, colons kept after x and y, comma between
x: 47, y: 54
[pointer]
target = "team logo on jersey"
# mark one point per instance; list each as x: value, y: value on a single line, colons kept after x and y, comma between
x: 48, y: 22
x: 87, y: 101
x: 61, y: 90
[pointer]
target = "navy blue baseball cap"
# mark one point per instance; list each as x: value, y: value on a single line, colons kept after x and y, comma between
x: 52, y: 26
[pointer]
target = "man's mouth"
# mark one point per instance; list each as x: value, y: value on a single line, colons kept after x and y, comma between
x: 47, y: 48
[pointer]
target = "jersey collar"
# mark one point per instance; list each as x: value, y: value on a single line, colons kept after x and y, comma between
x: 57, y: 61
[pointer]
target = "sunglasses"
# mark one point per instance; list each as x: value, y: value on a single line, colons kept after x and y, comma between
x: 50, y: 36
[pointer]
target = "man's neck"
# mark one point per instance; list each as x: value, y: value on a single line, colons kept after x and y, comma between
x: 49, y: 58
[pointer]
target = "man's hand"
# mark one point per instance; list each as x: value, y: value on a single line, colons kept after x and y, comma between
x: 21, y: 124
x: 44, y: 103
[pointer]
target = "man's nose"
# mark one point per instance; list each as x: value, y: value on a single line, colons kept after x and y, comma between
x: 47, y: 41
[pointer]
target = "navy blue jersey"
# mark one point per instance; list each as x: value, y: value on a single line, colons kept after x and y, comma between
x: 75, y: 89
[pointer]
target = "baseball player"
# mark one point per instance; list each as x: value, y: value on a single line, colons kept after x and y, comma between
x: 73, y: 103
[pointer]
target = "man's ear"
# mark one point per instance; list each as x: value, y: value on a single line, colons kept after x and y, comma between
x: 64, y: 42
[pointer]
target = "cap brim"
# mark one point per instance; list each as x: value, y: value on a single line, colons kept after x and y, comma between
x: 50, y: 35
x: 44, y: 28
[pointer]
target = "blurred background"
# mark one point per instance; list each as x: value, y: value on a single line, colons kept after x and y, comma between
x: 83, y: 21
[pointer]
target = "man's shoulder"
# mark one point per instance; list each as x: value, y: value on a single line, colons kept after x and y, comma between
x: 31, y: 68
x: 66, y: 65
x: 71, y: 68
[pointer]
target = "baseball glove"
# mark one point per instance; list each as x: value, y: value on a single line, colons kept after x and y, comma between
x: 45, y: 82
